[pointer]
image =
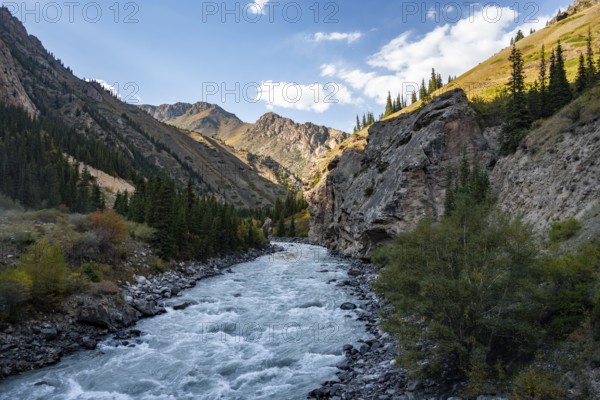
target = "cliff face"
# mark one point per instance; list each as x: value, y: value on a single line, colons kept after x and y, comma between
x: 555, y: 175
x: 368, y: 197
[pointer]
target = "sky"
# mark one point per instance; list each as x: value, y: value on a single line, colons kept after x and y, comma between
x: 312, y: 61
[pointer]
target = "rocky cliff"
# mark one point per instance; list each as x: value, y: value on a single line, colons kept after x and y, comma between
x: 369, y: 196
x: 555, y: 174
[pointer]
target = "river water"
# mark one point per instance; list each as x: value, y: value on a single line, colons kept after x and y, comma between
x: 270, y: 329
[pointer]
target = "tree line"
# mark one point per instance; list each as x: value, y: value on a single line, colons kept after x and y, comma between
x: 393, y: 105
x: 550, y: 92
x: 34, y: 170
x: 188, y: 226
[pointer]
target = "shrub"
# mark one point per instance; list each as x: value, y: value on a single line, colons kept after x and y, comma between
x: 15, y: 291
x: 45, y: 265
x: 537, y: 384
x: 141, y: 232
x: 564, y: 230
x: 110, y: 227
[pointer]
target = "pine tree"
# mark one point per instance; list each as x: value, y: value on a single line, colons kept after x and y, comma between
x: 399, y: 104
x: 592, y: 73
x: 518, y: 118
x: 582, y: 75
x: 413, y: 97
x: 559, y: 91
x: 519, y: 36
x: 388, y: 105
x: 358, y: 126
x: 97, y: 199
x: 543, y: 82
x: 364, y: 121
x: 423, y: 91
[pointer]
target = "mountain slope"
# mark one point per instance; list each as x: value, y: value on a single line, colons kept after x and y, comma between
x: 490, y: 77
x: 39, y: 82
x: 296, y: 147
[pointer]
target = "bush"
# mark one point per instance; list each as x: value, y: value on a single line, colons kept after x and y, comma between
x: 560, y: 231
x: 141, y: 232
x: 537, y: 384
x: 45, y: 265
x: 110, y: 227
x: 15, y: 292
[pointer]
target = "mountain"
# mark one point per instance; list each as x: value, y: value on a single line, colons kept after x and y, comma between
x: 209, y: 119
x: 296, y: 147
x: 34, y: 79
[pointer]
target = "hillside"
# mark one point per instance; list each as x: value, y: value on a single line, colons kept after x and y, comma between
x: 37, y: 81
x: 490, y: 77
x: 295, y: 147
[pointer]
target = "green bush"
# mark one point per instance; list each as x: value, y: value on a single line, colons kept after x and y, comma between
x: 15, y: 292
x: 45, y: 265
x: 536, y: 384
x: 564, y: 230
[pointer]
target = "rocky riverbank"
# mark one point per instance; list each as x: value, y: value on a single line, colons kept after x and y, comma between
x: 369, y: 370
x: 83, y: 320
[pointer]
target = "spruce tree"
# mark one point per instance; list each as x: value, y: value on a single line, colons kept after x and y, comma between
x: 413, y: 97
x: 582, y: 76
x: 388, y: 105
x: 399, y: 104
x: 592, y: 73
x: 358, y: 127
x: 559, y: 91
x: 518, y: 118
x: 423, y: 91
x: 543, y: 82
x: 519, y: 36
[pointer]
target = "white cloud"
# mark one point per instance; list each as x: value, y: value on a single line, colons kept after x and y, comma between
x: 351, y: 37
x: 127, y: 93
x: 452, y: 49
x: 317, y: 97
x: 257, y: 7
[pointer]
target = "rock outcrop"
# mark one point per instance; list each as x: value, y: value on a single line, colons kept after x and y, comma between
x: 368, y: 197
x: 555, y: 175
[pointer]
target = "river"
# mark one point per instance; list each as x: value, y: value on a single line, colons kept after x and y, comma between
x: 270, y: 329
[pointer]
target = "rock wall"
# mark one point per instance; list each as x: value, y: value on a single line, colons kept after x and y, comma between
x: 368, y: 197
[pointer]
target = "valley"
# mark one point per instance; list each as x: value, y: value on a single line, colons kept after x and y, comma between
x: 448, y: 248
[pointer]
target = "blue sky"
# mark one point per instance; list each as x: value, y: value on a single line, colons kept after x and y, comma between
x: 318, y: 61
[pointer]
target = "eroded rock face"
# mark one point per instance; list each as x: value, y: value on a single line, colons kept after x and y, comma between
x: 369, y: 197
x: 553, y: 176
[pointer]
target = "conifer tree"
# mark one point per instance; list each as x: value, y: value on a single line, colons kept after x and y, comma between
x: 413, y: 97
x: 388, y: 105
x: 358, y: 126
x: 423, y: 91
x: 559, y: 91
x: 399, y: 104
x: 518, y: 118
x: 592, y: 73
x: 582, y: 76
